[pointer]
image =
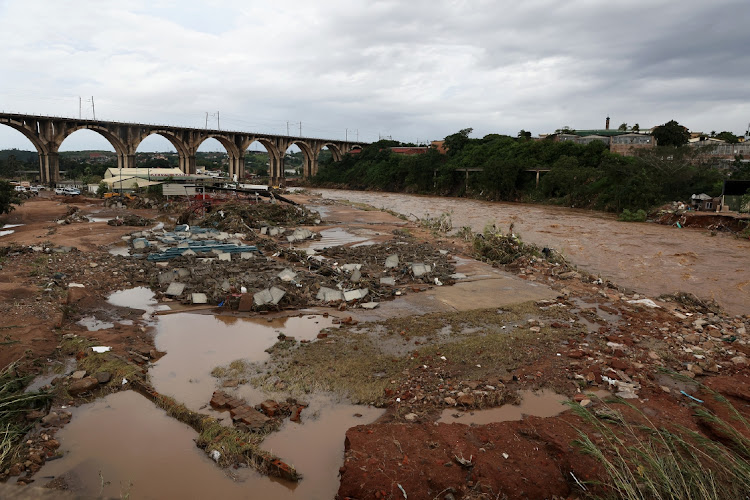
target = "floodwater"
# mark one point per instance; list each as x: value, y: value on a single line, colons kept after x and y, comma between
x: 54, y: 369
x: 649, y: 258
x: 140, y: 450
x: 544, y: 403
x: 197, y: 343
x: 139, y: 297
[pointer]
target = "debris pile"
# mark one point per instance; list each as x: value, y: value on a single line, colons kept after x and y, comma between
x: 129, y: 220
x: 73, y: 215
x: 244, y: 216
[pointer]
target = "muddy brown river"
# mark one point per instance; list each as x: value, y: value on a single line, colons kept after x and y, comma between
x: 649, y: 258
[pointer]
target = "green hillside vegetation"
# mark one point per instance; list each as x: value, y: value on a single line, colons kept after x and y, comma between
x: 580, y: 176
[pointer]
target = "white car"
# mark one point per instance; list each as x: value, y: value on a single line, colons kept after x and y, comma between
x: 60, y: 190
x: 19, y: 189
x: 71, y: 191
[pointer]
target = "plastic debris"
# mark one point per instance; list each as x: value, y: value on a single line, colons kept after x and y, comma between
x: 100, y: 349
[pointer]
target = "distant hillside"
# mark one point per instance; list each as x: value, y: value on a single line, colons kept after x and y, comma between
x: 22, y: 156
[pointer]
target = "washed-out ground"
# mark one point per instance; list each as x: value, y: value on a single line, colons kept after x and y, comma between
x: 419, y: 394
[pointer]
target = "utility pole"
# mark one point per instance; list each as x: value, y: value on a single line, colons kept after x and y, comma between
x: 79, y: 107
x: 300, y: 129
x: 287, y: 127
x: 206, y: 120
x: 218, y: 125
x: 93, y: 110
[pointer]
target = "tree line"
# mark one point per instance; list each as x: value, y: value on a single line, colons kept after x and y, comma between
x: 504, y: 168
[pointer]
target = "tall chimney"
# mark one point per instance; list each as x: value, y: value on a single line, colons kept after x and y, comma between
x: 606, y: 127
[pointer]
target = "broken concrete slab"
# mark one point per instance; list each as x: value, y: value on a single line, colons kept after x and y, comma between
x: 268, y: 296
x: 175, y: 289
x: 225, y: 256
x: 351, y: 267
x: 420, y: 269
x: 199, y: 298
x: 388, y: 281
x: 391, y: 261
x: 329, y: 294
x: 246, y: 303
x: 188, y: 253
x: 247, y: 255
x: 166, y: 277
x: 355, y: 294
x: 369, y: 305
x: 356, y: 276
x: 287, y: 275
x: 140, y: 243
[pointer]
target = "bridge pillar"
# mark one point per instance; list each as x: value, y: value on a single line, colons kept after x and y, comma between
x: 129, y: 161
x: 190, y: 167
x: 49, y: 165
x: 237, y: 167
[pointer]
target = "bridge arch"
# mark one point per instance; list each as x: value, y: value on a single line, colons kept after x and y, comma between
x: 275, y: 155
x: 310, y: 157
x: 42, y: 151
x: 177, y: 142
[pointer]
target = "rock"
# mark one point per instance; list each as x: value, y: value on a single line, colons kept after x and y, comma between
x: 466, y: 400
x: 84, y: 385
x: 410, y: 417
x: 78, y: 375
x: 296, y: 414
x: 739, y: 360
x: 449, y: 401
x: 103, y: 377
x: 140, y: 243
x: 356, y: 276
x: 51, y: 419
x: 388, y: 281
x: 75, y: 294
x: 249, y: 416
x: 230, y: 383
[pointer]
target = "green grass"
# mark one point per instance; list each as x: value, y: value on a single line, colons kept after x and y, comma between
x: 645, y: 461
x: 14, y: 404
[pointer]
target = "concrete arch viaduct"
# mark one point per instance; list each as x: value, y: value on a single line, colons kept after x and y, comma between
x: 47, y: 134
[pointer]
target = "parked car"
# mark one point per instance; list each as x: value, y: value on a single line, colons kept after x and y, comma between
x: 34, y: 190
x: 60, y: 190
x: 71, y: 191
x: 19, y: 189
x: 40, y: 187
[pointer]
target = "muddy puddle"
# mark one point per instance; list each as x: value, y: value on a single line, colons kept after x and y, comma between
x: 544, y: 403
x: 54, y: 369
x: 645, y: 257
x: 93, y: 324
x: 139, y: 297
x: 197, y: 343
x: 336, y: 237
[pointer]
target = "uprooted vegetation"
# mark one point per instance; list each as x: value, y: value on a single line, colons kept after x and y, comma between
x: 375, y: 362
x: 643, y: 459
x: 14, y: 405
x: 241, y: 216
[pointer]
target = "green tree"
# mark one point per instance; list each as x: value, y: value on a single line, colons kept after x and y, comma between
x: 8, y: 198
x: 524, y: 135
x: 671, y: 134
x: 636, y: 128
x: 565, y: 130
x: 727, y: 137
x: 454, y: 143
x: 623, y: 127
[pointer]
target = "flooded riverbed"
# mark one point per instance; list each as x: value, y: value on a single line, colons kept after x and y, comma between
x: 650, y: 258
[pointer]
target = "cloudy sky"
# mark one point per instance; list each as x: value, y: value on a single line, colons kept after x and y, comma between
x: 414, y: 70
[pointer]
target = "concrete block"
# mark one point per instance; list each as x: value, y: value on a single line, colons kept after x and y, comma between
x: 388, y: 281
x: 356, y: 294
x: 329, y: 294
x: 369, y: 305
x: 391, y: 261
x: 247, y: 255
x: 225, y: 256
x: 287, y: 275
x: 188, y: 253
x: 420, y: 269
x: 175, y: 289
x: 199, y: 298
x: 356, y: 276
x: 140, y: 243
